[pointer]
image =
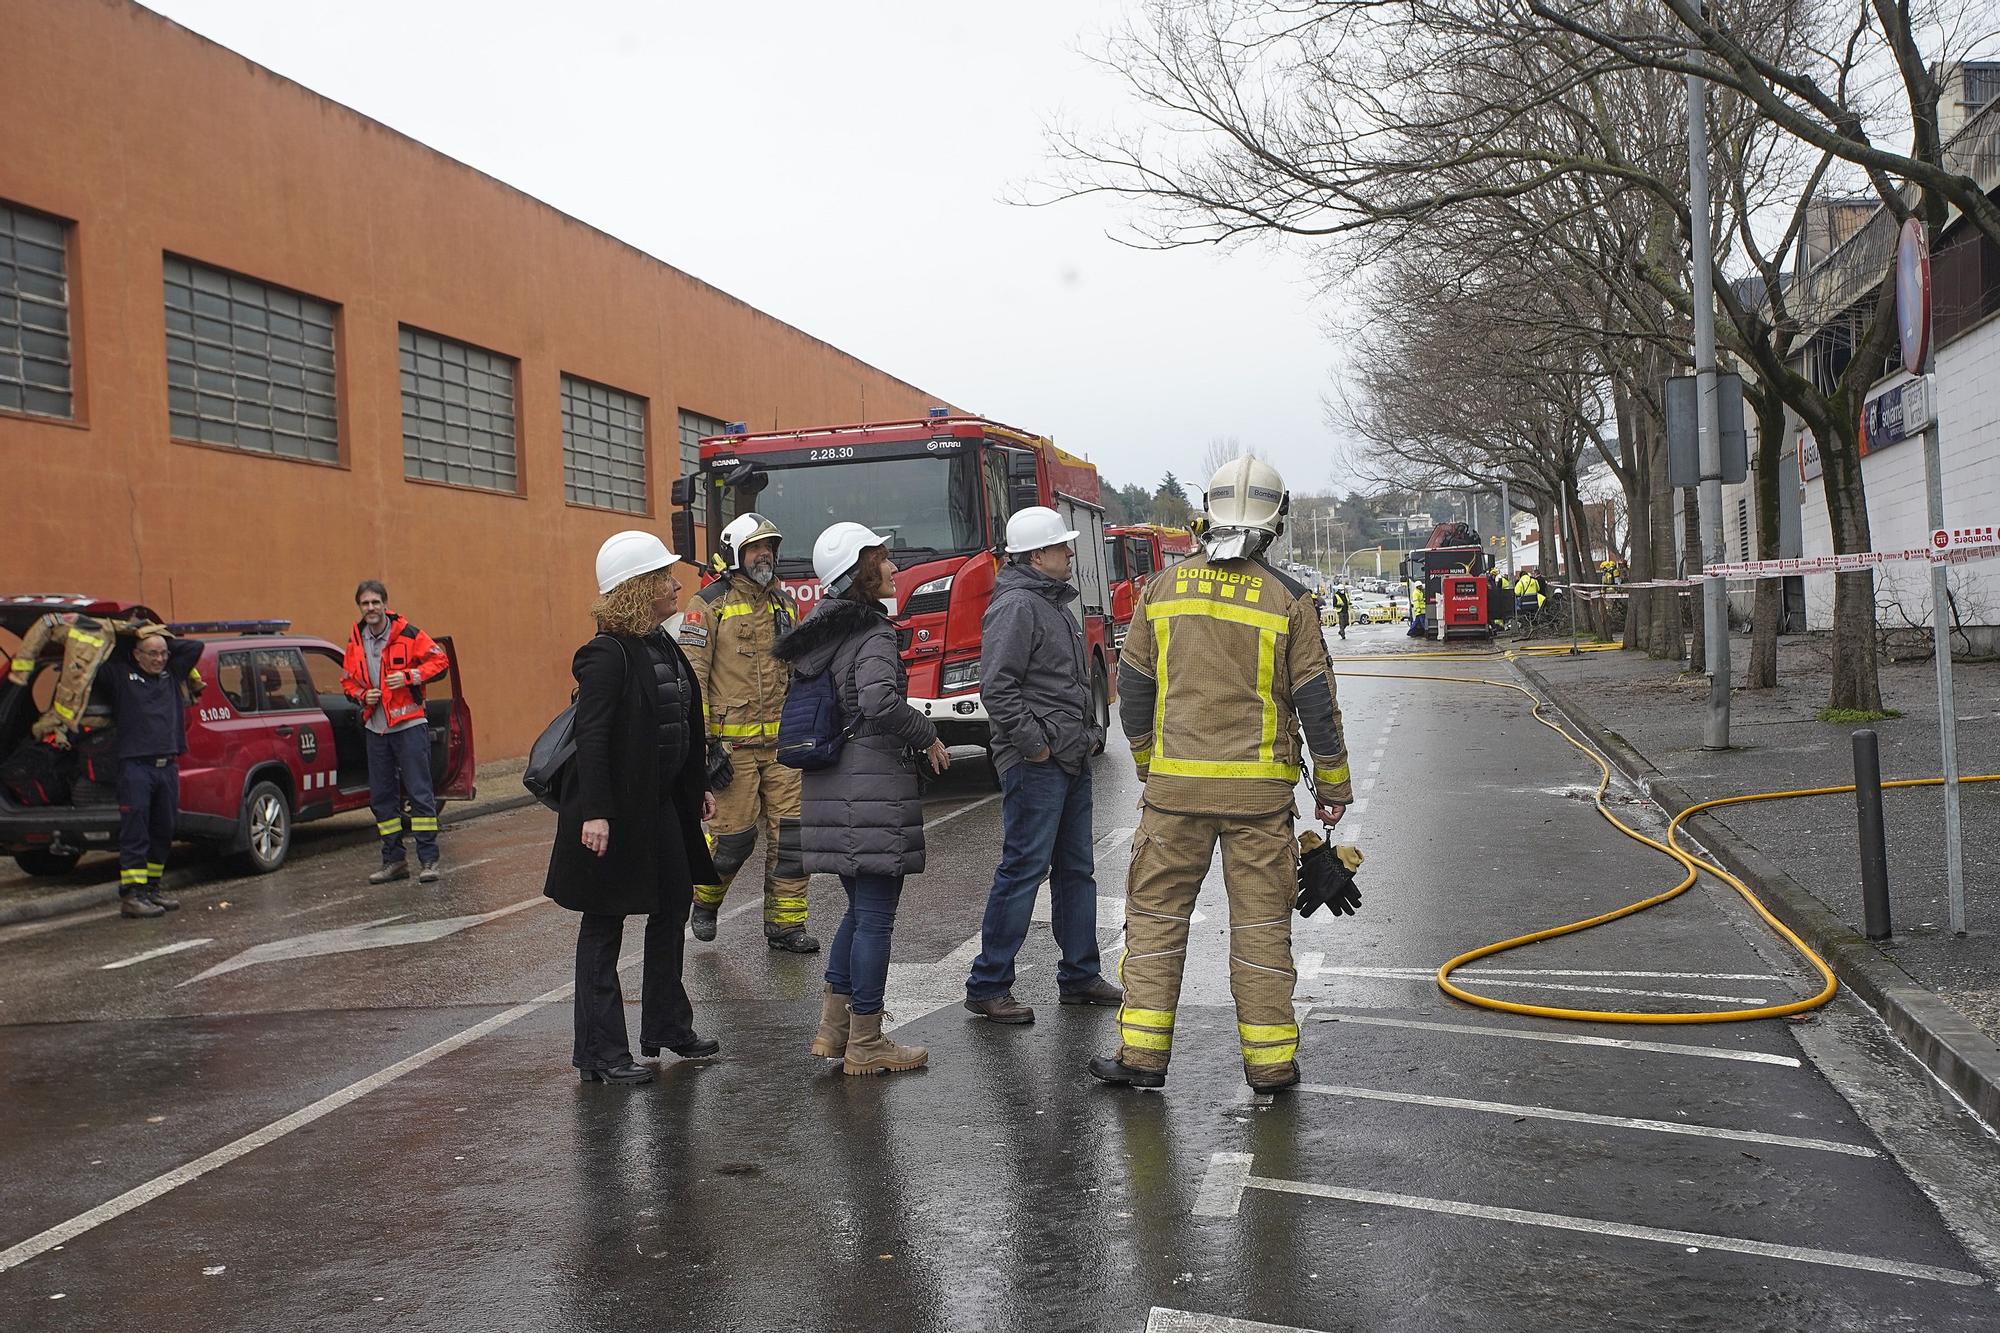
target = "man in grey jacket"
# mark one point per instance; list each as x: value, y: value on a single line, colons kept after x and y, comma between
x: 1036, y: 686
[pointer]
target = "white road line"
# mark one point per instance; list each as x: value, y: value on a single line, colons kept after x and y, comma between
x: 1586, y: 1118
x: 1368, y: 784
x: 1358, y: 807
x: 950, y: 815
x: 1222, y: 1184
x: 160, y: 952
x: 1569, y: 1039
x: 1427, y: 973
x: 1627, y: 1231
x: 1164, y: 1320
x: 1117, y: 838
x: 138, y: 1196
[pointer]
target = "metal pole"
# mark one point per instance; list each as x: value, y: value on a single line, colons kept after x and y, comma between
x: 1954, y: 851
x: 1507, y: 531
x: 1874, y: 851
x: 1715, y: 590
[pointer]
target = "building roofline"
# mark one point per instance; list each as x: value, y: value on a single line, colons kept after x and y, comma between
x: 371, y: 123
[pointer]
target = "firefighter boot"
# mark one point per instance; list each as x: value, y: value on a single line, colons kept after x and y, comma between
x: 869, y: 1052
x: 1109, y: 1069
x: 702, y: 922
x: 793, y: 941
x: 830, y: 1042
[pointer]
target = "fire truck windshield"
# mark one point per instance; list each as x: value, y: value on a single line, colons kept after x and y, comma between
x: 925, y: 506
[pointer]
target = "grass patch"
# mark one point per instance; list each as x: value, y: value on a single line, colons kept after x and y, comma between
x: 1853, y: 716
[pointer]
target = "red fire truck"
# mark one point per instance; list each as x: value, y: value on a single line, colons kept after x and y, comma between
x: 1462, y: 601
x: 1135, y: 552
x: 941, y: 489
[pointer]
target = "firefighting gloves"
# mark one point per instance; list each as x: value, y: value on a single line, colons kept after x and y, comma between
x: 720, y: 771
x: 1326, y: 877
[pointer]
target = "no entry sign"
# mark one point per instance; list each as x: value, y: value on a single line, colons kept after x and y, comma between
x: 1913, y: 295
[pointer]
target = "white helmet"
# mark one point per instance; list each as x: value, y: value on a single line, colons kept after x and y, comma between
x: 746, y: 530
x: 1246, y: 505
x: 838, y: 551
x: 629, y: 554
x: 1035, y: 527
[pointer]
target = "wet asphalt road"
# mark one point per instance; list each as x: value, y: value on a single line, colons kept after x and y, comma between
x: 352, y: 1108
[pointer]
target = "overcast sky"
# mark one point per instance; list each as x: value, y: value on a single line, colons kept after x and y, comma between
x: 844, y: 167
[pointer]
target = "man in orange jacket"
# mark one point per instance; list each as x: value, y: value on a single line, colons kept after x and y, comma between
x: 388, y: 662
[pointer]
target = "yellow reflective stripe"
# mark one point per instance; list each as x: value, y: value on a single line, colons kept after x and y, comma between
x: 1151, y: 1018
x: 1222, y: 768
x: 727, y: 610
x: 1333, y: 775
x: 64, y: 711
x: 23, y: 663
x: 1166, y: 639
x: 708, y: 895
x: 1202, y: 606
x: 1267, y: 663
x: 388, y: 826
x: 1270, y: 1055
x: 423, y: 824
x: 736, y: 731
x: 1262, y: 1032
x: 132, y: 876
x: 90, y: 639
x: 1141, y: 1039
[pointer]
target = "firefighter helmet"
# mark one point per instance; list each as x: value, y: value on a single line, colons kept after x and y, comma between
x: 746, y: 530
x: 1246, y: 505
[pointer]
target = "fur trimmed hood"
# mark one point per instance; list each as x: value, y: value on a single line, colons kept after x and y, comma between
x: 809, y: 645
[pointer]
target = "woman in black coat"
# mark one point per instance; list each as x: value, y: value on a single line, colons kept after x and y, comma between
x: 628, y: 835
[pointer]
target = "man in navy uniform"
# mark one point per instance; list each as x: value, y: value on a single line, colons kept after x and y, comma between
x: 147, y: 704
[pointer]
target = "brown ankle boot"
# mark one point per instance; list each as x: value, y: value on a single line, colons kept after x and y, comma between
x: 830, y: 1042
x: 869, y: 1052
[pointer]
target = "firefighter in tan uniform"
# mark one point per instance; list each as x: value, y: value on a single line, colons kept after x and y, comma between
x: 1223, y: 666
x: 728, y: 635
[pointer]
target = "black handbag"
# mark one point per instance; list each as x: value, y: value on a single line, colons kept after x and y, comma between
x: 554, y: 751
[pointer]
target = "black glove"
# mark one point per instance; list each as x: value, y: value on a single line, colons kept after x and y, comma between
x: 720, y: 771
x: 1326, y: 877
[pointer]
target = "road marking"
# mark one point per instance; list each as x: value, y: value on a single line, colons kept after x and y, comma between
x: 1586, y: 1118
x: 138, y: 1196
x: 1117, y: 838
x: 1229, y: 1175
x: 1368, y: 784
x: 1427, y: 973
x: 160, y: 952
x: 1163, y: 1320
x: 377, y: 934
x: 323, y: 907
x: 1569, y: 1039
x: 1357, y: 807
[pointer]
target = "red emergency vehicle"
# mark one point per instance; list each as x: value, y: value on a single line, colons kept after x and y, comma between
x: 1135, y: 552
x: 1461, y: 601
x: 272, y: 741
x: 941, y: 489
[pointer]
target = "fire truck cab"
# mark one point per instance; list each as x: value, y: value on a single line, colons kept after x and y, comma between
x: 1135, y: 552
x: 941, y: 489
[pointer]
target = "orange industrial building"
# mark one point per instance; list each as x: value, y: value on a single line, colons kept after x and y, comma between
x: 255, y: 346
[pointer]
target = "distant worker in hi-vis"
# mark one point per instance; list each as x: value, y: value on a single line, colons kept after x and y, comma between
x: 1223, y: 666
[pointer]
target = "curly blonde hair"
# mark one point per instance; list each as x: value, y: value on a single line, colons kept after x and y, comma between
x: 628, y: 608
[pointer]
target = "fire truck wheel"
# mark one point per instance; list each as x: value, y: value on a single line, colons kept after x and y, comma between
x: 47, y: 865
x: 266, y: 832
x: 1100, y: 707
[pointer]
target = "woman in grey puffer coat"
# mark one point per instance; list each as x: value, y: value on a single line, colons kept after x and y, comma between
x: 862, y: 818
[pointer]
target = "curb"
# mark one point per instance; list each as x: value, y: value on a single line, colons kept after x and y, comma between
x: 71, y: 901
x: 1962, y: 1057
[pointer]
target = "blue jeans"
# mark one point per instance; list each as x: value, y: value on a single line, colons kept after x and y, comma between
x: 857, y: 965
x: 1045, y: 818
x: 399, y: 765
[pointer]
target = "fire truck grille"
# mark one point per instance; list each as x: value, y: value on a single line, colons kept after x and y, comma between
x: 903, y: 637
x: 927, y: 604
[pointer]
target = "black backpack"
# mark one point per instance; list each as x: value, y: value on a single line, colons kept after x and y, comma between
x: 554, y: 751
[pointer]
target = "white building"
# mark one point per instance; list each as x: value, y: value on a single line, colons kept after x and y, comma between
x: 1844, y: 239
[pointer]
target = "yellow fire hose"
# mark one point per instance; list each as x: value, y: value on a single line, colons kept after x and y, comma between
x: 1691, y: 864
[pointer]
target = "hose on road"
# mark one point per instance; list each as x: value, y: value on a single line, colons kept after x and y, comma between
x: 1692, y: 865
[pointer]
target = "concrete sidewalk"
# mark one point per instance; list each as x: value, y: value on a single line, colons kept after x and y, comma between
x: 1940, y: 994
x: 94, y: 883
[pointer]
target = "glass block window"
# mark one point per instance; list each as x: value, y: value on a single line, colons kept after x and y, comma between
x: 693, y: 427
x: 458, y: 413
x: 604, y: 446
x: 34, y: 314
x: 248, y: 365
